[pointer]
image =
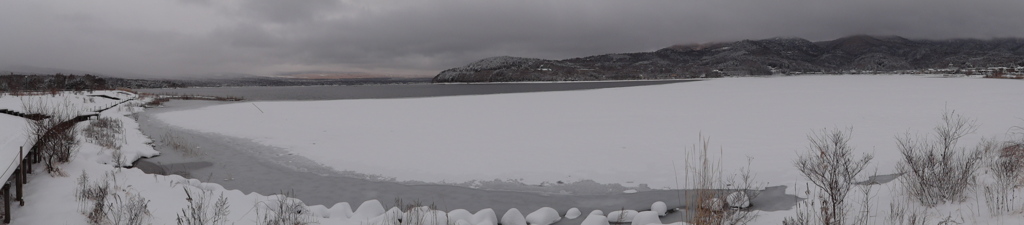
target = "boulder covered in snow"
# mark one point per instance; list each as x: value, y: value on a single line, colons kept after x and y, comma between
x: 621, y: 216
x: 367, y: 210
x: 460, y: 214
x: 484, y: 216
x: 660, y: 208
x: 573, y: 213
x: 738, y: 199
x: 543, y: 216
x: 513, y: 217
x: 645, y: 218
x: 341, y: 210
x: 597, y: 212
x: 320, y: 211
x: 393, y: 213
x: 595, y: 219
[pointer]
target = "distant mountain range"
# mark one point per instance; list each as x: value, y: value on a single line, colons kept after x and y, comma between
x: 861, y: 54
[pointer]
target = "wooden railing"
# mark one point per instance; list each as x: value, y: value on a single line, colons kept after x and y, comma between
x: 17, y: 170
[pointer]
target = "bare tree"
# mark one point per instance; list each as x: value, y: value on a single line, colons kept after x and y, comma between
x: 831, y: 166
x: 55, y: 138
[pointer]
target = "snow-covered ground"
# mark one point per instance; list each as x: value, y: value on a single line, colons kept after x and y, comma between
x: 620, y: 135
x: 13, y: 129
x: 623, y: 135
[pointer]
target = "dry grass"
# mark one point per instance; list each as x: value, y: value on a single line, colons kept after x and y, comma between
x: 180, y: 144
x: 283, y: 210
x: 710, y: 203
x: 103, y: 202
x: 1007, y: 169
x: 202, y: 209
x: 106, y: 132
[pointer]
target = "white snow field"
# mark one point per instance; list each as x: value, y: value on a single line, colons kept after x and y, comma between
x: 633, y: 135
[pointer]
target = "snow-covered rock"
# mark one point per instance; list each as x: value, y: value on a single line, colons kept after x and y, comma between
x: 484, y: 215
x: 543, y: 216
x: 320, y: 211
x: 621, y: 216
x: 393, y: 213
x: 513, y: 217
x: 462, y: 222
x: 660, y: 208
x: 645, y: 218
x: 597, y: 212
x: 460, y: 214
x: 369, y: 209
x: 573, y: 213
x: 595, y: 219
x: 341, y: 210
x: 738, y: 199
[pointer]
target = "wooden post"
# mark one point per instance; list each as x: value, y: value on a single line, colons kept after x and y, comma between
x: 19, y: 184
x: 18, y: 178
x: 7, y: 202
x: 27, y: 161
x: 26, y: 165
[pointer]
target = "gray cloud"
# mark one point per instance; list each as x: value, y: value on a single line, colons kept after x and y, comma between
x: 266, y: 37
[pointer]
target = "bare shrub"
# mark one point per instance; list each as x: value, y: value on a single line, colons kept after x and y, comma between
x: 92, y: 198
x: 935, y: 169
x: 89, y: 191
x: 202, y: 210
x: 101, y: 202
x: 283, y: 210
x: 711, y: 205
x: 831, y: 166
x: 804, y: 210
x: 901, y: 213
x: 54, y: 139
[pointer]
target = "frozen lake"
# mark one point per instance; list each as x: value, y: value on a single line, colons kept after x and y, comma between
x: 628, y: 136
x: 240, y: 163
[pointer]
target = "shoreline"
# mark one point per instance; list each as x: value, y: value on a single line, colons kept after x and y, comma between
x: 261, y: 171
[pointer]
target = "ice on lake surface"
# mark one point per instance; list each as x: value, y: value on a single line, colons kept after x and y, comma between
x: 624, y: 135
x: 239, y: 163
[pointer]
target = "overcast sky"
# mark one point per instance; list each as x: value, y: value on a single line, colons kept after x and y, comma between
x: 174, y: 38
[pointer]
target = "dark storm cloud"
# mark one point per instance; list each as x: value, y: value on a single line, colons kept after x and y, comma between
x: 266, y: 37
